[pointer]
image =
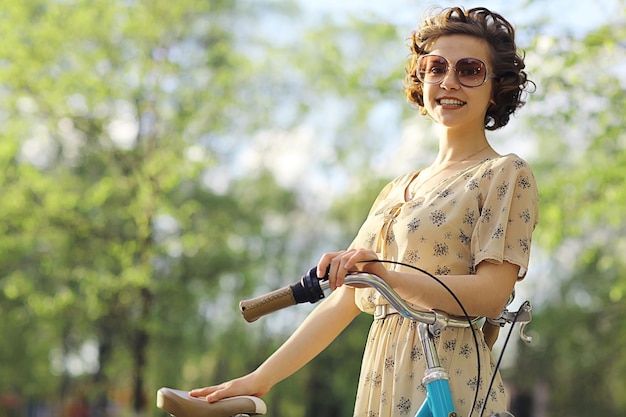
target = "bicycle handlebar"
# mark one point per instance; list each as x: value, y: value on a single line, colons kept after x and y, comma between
x: 311, y: 288
x: 308, y: 289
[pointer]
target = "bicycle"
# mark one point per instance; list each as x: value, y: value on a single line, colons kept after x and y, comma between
x: 311, y: 288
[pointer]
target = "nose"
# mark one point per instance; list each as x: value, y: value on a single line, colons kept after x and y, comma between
x: 450, y: 80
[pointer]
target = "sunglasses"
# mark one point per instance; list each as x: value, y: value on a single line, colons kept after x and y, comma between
x: 470, y: 72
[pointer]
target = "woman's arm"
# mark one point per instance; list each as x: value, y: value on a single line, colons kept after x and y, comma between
x: 484, y: 294
x: 317, y: 331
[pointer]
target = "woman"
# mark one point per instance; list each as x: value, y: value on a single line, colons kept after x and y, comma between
x: 468, y: 218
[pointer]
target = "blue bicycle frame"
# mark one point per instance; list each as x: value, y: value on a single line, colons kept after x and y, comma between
x: 438, y: 400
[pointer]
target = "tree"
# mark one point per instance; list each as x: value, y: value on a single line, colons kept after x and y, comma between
x: 111, y: 232
x: 580, y: 170
x: 131, y: 227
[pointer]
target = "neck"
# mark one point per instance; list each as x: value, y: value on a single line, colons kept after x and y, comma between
x: 457, y: 143
x: 466, y: 149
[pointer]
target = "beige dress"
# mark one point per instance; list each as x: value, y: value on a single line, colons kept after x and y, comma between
x: 485, y: 213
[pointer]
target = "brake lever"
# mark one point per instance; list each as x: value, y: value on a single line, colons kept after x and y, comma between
x: 523, y: 316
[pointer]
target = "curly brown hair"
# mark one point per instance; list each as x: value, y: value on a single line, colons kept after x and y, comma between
x: 510, y: 81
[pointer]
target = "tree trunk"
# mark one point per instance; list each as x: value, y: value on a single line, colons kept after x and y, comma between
x: 139, y: 349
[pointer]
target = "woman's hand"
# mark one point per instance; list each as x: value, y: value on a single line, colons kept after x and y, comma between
x: 246, y: 385
x: 352, y: 260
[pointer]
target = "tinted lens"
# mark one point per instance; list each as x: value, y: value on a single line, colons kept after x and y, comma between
x: 432, y: 69
x: 471, y: 72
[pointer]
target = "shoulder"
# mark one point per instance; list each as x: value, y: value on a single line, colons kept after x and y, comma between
x: 508, y: 162
x: 508, y: 172
x: 506, y: 166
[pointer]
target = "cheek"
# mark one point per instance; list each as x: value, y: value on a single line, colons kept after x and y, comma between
x: 489, y: 100
x: 429, y: 94
x: 492, y: 94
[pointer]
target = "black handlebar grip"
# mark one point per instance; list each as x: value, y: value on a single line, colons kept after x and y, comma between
x: 306, y: 290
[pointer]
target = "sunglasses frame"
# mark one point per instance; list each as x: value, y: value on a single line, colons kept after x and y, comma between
x: 450, y: 67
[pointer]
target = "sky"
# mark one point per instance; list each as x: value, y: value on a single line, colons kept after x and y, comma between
x: 574, y: 15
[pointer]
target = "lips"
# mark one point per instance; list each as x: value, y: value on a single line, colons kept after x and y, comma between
x: 450, y: 102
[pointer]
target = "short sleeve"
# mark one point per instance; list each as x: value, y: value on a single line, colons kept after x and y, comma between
x: 509, y: 213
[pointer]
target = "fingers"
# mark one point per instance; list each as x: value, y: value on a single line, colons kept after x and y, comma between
x: 340, y: 263
x: 324, y: 264
x: 211, y: 393
x: 250, y: 384
x: 214, y: 393
x: 331, y: 262
x: 327, y: 267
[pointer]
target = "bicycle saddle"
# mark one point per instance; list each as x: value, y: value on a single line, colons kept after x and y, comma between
x: 180, y: 404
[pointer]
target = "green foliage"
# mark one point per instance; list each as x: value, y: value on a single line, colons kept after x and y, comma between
x: 129, y: 232
x: 580, y: 172
x: 110, y: 235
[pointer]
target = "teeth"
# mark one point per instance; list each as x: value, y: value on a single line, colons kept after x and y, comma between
x: 451, y: 102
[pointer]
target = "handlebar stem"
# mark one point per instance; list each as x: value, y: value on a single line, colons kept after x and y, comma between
x: 428, y: 346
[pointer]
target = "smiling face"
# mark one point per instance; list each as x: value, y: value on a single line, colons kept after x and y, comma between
x: 451, y: 104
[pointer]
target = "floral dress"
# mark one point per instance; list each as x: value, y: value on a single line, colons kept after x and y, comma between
x: 486, y: 212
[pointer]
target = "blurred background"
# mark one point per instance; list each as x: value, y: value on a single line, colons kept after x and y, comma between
x: 161, y: 160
